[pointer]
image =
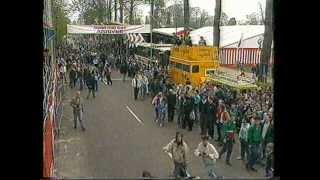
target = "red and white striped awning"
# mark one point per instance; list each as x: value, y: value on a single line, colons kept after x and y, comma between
x: 242, y: 55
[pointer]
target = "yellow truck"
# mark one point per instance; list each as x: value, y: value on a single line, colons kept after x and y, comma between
x: 193, y: 64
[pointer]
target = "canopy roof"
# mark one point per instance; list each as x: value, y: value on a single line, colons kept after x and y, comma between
x: 228, y: 34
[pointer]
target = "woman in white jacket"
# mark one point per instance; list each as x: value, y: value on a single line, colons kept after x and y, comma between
x: 209, y: 155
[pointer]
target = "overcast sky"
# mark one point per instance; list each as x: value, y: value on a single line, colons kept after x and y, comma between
x: 233, y: 8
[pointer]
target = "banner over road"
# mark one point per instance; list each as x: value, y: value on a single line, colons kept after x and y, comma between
x: 107, y: 29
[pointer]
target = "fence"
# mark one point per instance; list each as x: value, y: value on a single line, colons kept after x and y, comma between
x: 233, y: 56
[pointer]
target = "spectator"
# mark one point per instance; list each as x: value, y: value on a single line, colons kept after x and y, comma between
x: 202, y: 42
x: 91, y: 84
x: 171, y: 105
x: 243, y: 136
x: 178, y: 151
x: 254, y: 142
x: 136, y: 85
x: 77, y: 106
x: 209, y: 155
x: 229, y: 128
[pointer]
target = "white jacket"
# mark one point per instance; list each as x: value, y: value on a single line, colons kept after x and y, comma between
x: 133, y: 83
x: 210, y: 150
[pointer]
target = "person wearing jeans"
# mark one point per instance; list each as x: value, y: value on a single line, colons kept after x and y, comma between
x: 77, y: 106
x: 254, y: 141
x: 209, y: 155
x: 135, y: 85
x: 243, y: 137
x: 178, y: 152
x: 229, y: 128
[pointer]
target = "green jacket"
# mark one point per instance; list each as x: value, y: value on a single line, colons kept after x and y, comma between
x: 229, y: 129
x: 254, y: 135
x: 269, y: 135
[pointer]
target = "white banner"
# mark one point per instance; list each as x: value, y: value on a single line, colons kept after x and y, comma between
x: 107, y: 29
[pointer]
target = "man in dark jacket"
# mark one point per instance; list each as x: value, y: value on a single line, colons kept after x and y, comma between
x: 123, y: 71
x: 203, y: 114
x: 90, y: 84
x: 73, y: 78
x: 188, y: 107
x: 171, y: 105
x: 211, y: 116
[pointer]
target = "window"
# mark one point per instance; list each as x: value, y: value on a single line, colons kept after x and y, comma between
x: 195, y: 69
x: 186, y: 68
x: 179, y: 66
x: 172, y: 64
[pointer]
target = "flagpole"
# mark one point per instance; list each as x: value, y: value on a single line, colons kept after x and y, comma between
x: 238, y: 59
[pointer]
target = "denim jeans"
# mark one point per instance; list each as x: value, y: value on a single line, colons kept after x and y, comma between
x: 209, y: 166
x: 227, y: 146
x: 162, y: 116
x: 253, y: 155
x: 179, y: 170
x: 77, y: 116
x: 180, y: 118
x: 244, y: 151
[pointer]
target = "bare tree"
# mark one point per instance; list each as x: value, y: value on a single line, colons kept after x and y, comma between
x: 115, y: 10
x: 196, y: 12
x: 216, y: 24
x: 131, y: 12
x: 186, y: 14
x: 121, y: 3
x: 224, y: 19
x: 267, y: 41
x: 168, y: 18
x: 204, y: 16
x: 110, y: 10
x: 261, y: 11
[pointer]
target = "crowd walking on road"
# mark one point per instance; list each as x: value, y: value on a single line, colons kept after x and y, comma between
x: 221, y: 115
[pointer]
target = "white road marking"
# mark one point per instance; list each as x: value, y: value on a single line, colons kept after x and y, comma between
x: 134, y: 115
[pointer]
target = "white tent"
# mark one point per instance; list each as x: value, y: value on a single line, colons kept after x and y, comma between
x: 167, y: 31
x: 230, y: 35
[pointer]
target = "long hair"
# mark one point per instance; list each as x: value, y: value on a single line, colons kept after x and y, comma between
x: 176, y: 140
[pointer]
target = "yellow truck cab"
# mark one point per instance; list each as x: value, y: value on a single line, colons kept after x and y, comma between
x: 193, y: 64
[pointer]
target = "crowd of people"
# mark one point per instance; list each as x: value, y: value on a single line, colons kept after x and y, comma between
x: 87, y: 63
x: 222, y: 114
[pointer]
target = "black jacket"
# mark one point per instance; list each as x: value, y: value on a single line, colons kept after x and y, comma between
x: 73, y: 74
x: 171, y: 100
x: 188, y: 105
x: 211, y: 111
x: 90, y: 81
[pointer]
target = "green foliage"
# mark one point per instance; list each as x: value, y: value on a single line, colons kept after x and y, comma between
x: 60, y: 19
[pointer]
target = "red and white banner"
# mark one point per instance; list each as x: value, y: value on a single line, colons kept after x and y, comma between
x: 107, y: 29
x: 241, y: 55
x: 134, y: 38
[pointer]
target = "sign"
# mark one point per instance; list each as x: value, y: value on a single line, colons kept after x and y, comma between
x: 107, y: 29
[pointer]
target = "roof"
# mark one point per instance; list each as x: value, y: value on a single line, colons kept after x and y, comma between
x: 168, y: 31
x: 229, y: 34
x: 161, y: 47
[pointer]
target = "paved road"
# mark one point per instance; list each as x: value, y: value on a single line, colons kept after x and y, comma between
x: 116, y: 144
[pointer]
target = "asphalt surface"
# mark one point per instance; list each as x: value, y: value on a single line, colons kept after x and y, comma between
x: 116, y: 144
